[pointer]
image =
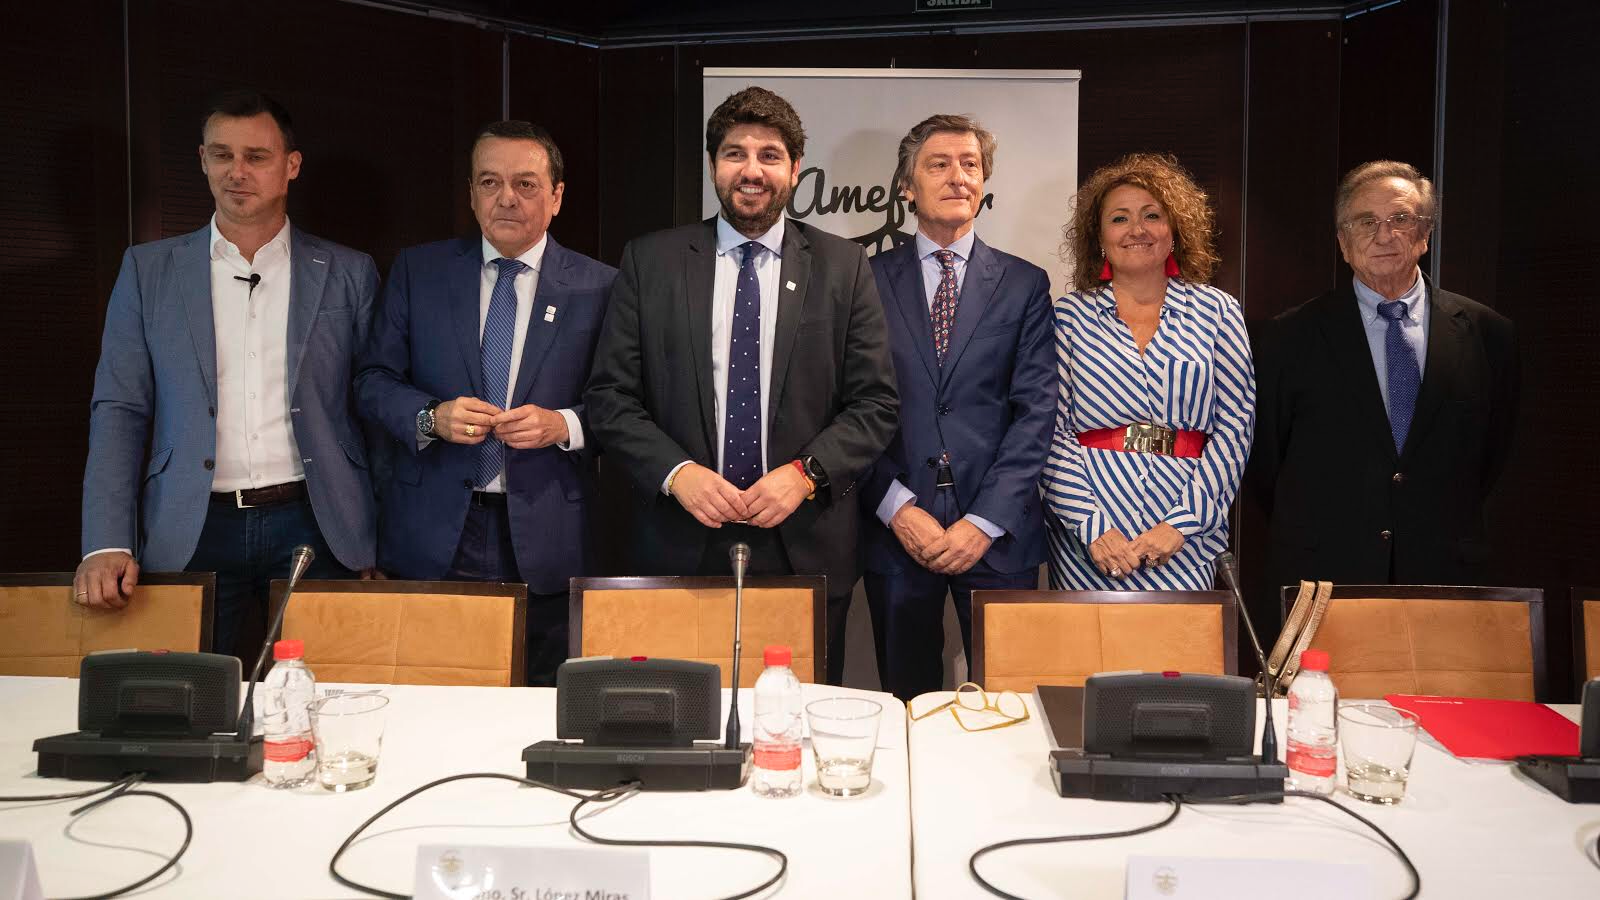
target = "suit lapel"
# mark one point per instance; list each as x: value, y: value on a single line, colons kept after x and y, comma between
x: 1341, y: 323
x: 1447, y: 332
x: 977, y: 289
x: 699, y: 281
x: 545, y: 319
x: 308, y: 265
x: 192, y: 261
x: 465, y: 280
x: 908, y: 299
x: 794, y: 279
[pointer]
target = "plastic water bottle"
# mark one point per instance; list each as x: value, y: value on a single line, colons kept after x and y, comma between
x: 775, y: 770
x: 288, y: 755
x: 1313, y: 726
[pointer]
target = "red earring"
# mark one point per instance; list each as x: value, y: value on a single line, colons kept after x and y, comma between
x: 1105, y: 271
x: 1172, y: 266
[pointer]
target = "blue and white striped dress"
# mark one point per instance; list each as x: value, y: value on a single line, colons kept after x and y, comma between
x: 1195, y: 375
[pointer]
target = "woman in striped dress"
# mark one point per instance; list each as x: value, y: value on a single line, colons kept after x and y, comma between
x: 1157, y: 391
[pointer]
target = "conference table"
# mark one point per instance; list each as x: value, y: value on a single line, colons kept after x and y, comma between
x: 1473, y: 829
x: 252, y: 841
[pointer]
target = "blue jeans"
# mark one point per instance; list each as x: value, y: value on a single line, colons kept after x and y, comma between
x: 247, y: 548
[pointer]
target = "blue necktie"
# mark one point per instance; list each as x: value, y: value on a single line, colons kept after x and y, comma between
x: 741, y: 416
x: 1404, y: 378
x: 499, y: 329
x: 945, y: 298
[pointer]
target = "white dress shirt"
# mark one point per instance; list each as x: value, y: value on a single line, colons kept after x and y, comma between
x: 898, y: 494
x: 527, y: 285
x: 769, y: 268
x: 255, y: 439
x: 1413, y: 327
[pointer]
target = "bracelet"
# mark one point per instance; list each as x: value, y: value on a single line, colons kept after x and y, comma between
x: 811, y: 486
x: 673, y: 478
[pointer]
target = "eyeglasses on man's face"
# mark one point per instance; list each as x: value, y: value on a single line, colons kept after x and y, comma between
x: 975, y: 710
x: 1400, y: 223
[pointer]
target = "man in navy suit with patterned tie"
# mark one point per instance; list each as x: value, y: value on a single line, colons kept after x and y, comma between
x: 476, y: 370
x: 954, y: 501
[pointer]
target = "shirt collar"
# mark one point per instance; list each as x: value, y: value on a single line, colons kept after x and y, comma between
x: 1175, y: 302
x: 221, y: 245
x: 961, y: 246
x: 531, y: 257
x: 1369, y: 299
x: 729, y: 239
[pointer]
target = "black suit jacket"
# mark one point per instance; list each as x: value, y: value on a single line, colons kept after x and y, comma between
x: 832, y: 391
x: 1343, y: 505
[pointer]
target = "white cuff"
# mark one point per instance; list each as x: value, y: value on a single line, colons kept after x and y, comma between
x: 108, y: 550
x: 897, y: 496
x: 574, y: 431
x: 668, y: 480
x: 995, y: 532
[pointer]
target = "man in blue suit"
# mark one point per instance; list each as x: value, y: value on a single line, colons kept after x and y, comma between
x: 476, y: 370
x: 228, y: 353
x: 956, y: 494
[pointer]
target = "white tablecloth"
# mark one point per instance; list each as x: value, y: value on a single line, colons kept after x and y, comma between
x: 1473, y: 830
x: 251, y: 841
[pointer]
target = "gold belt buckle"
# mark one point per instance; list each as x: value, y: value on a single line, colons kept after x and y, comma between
x: 1143, y: 437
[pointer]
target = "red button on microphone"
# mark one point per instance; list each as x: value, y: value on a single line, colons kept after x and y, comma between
x: 1169, y: 674
x: 638, y: 658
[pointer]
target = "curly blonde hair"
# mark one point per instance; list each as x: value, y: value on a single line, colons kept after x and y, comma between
x: 1188, y: 212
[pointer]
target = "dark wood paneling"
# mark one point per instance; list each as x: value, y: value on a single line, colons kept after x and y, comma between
x: 557, y: 85
x: 63, y: 226
x: 639, y: 95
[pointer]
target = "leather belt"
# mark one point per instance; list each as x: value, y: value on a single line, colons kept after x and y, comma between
x: 1143, y: 437
x: 271, y: 495
x: 488, y: 498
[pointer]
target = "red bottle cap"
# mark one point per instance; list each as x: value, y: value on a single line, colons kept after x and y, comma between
x: 1314, y: 660
x: 776, y: 655
x: 289, y: 649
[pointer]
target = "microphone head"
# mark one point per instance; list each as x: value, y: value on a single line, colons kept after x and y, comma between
x: 300, y: 560
x: 739, y: 553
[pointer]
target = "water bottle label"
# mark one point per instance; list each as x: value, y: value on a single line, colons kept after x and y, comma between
x: 286, y: 751
x: 1316, y: 765
x: 777, y: 759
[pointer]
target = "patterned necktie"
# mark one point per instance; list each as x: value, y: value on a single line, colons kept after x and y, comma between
x: 1404, y: 378
x: 741, y: 414
x: 944, y: 303
x: 494, y: 349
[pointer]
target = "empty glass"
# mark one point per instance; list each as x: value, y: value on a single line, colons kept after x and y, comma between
x: 349, y: 732
x: 1377, y: 742
x: 844, y: 733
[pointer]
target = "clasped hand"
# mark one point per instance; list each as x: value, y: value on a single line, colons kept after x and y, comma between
x: 944, y: 551
x: 468, y: 420
x: 1117, y: 557
x: 713, y: 500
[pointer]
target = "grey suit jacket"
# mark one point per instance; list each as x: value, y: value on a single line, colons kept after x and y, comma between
x: 156, y: 387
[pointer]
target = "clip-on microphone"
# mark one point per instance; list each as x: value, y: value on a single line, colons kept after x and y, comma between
x: 300, y: 560
x: 253, y: 280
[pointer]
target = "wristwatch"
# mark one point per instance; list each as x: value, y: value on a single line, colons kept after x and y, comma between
x: 425, y: 420
x: 814, y: 471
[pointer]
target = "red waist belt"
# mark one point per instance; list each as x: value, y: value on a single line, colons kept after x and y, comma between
x: 1143, y: 437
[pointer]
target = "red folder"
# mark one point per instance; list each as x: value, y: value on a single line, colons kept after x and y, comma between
x: 1492, y: 729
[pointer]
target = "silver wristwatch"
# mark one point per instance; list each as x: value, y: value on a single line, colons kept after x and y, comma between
x: 425, y: 420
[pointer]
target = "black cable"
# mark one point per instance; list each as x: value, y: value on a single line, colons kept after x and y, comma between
x: 188, y: 835
x: 972, y: 864
x: 606, y: 796
x: 783, y: 860
x: 126, y: 780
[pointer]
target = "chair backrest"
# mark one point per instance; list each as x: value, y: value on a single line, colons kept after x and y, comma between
x: 1445, y: 640
x: 1025, y: 638
x: 410, y: 632
x: 691, y: 617
x: 43, y: 632
x: 1586, y: 632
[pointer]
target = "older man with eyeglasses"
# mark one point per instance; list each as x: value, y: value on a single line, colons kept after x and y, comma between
x: 1384, y: 408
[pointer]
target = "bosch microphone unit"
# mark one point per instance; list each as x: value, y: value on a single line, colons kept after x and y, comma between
x: 170, y: 716
x: 637, y: 719
x: 1575, y: 779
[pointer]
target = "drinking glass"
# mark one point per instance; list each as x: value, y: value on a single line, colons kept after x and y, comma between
x: 1378, y: 742
x: 349, y: 733
x: 844, y: 733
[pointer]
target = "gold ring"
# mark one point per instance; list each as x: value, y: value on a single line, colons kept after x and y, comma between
x: 472, y: 431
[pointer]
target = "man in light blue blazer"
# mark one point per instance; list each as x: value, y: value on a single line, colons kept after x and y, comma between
x: 476, y: 370
x: 228, y: 353
x: 954, y: 500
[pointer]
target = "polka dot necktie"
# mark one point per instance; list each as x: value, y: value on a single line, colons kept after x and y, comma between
x: 1404, y: 378
x: 494, y: 349
x: 741, y: 413
x: 944, y: 303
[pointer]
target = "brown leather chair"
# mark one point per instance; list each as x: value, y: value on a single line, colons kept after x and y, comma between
x: 1025, y: 638
x: 410, y: 632
x: 691, y: 617
x: 1445, y: 640
x: 43, y: 632
x: 1586, y: 632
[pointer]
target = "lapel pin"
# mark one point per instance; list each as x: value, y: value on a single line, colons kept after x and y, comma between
x: 789, y: 285
x: 549, y: 313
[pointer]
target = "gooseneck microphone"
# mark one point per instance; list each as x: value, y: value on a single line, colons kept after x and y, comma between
x: 299, y: 560
x: 1229, y: 569
x: 739, y: 558
x: 253, y: 280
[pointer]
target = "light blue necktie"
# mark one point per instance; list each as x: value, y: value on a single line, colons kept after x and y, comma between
x: 1404, y: 378
x: 499, y: 330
